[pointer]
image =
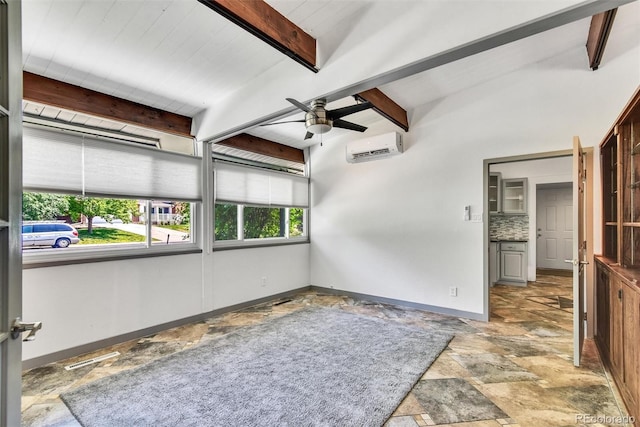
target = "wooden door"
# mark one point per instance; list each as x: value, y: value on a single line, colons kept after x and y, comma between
x: 579, y: 249
x: 616, y: 331
x: 603, y: 295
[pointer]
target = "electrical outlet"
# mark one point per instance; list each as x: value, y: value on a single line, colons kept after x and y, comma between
x: 263, y: 281
x: 476, y: 217
x: 453, y: 291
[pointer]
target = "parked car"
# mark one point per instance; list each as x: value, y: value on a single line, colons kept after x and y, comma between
x: 55, y: 234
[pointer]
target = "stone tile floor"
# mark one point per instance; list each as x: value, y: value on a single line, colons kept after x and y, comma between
x: 515, y: 370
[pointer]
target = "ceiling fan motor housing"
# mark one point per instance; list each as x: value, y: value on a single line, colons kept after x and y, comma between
x: 316, y: 120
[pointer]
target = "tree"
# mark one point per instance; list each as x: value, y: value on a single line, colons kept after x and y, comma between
x: 226, y: 222
x: 43, y: 206
x: 106, y: 208
x: 263, y: 222
x: 184, y: 210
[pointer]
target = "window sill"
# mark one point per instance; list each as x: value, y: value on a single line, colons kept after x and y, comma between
x: 38, y: 258
x: 257, y: 243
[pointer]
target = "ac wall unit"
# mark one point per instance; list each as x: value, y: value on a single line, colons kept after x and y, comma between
x: 375, y: 147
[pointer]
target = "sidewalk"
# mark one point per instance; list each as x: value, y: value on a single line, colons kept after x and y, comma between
x: 165, y: 235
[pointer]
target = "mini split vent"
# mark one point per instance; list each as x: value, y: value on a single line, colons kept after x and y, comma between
x: 374, y: 148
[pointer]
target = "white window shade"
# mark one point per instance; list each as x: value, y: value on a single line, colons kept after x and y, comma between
x: 51, y: 161
x: 261, y: 187
x: 68, y: 162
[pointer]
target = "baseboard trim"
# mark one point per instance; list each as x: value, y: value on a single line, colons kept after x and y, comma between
x: 118, y: 339
x: 107, y: 342
x: 403, y: 303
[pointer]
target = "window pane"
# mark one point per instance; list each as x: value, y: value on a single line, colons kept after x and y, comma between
x: 296, y: 222
x: 170, y: 222
x: 260, y: 223
x: 226, y: 222
x: 77, y: 223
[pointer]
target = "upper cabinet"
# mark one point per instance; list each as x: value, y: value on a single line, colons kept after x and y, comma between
x: 514, y: 196
x: 620, y: 163
x: 495, y: 192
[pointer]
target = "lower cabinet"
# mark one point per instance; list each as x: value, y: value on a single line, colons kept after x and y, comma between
x: 513, y: 263
x: 618, y: 328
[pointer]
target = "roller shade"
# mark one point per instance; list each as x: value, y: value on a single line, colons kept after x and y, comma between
x: 261, y: 187
x: 69, y: 162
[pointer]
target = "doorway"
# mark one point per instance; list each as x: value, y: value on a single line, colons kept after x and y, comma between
x: 545, y: 174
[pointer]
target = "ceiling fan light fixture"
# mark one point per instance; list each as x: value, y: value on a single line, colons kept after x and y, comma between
x: 319, y: 126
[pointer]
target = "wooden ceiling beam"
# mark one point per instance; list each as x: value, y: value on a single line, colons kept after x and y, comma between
x: 385, y: 106
x: 598, y: 34
x: 255, y: 144
x: 86, y: 101
x: 270, y: 26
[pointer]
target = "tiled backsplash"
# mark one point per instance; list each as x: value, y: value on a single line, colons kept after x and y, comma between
x: 509, y: 227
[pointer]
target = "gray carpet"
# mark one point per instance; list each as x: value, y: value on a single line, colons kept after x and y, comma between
x: 313, y: 367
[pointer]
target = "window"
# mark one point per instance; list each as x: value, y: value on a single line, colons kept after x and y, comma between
x: 258, y: 206
x: 117, y: 196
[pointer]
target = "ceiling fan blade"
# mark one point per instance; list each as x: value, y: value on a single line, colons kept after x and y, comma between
x: 299, y: 104
x: 348, y: 125
x: 345, y: 111
x: 309, y: 135
x: 286, y: 121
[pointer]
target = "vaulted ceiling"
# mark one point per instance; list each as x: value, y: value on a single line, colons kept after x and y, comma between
x: 182, y: 57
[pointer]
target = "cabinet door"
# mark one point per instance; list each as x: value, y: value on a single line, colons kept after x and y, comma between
x: 495, y: 192
x: 602, y: 309
x: 511, y: 266
x: 631, y: 343
x: 514, y: 196
x: 616, y: 331
x: 493, y: 263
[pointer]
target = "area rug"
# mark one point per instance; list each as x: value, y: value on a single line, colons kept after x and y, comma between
x: 313, y: 367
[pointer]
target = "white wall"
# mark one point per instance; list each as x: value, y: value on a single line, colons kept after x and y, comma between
x: 544, y: 171
x: 83, y: 303
x: 394, y: 228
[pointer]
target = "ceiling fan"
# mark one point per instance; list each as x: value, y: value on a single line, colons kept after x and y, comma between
x: 320, y: 120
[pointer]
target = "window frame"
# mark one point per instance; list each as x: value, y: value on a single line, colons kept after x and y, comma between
x: 119, y: 251
x: 241, y: 242
x: 46, y: 257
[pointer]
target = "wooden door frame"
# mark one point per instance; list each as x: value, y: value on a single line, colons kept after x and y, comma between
x: 589, y: 187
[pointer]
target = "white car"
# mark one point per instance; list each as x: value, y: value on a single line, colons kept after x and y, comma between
x: 54, y: 234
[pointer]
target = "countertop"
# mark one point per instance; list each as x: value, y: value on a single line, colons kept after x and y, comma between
x: 509, y: 240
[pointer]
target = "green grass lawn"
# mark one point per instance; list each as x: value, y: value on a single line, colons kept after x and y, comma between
x: 107, y: 235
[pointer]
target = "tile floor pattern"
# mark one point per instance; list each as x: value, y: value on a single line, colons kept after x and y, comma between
x: 515, y: 370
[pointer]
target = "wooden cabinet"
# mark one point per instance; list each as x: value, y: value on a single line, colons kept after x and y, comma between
x: 514, y: 196
x: 513, y: 263
x: 618, y: 269
x: 618, y: 327
x: 495, y: 192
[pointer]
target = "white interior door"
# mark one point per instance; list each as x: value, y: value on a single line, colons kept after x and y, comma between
x: 579, y: 249
x: 10, y: 210
x: 554, y: 227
